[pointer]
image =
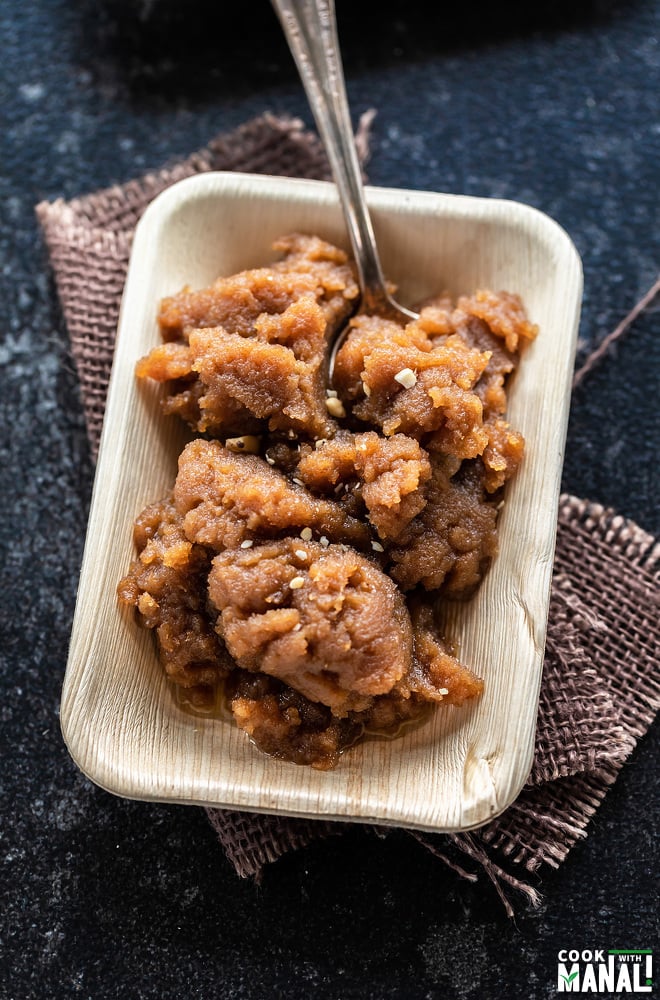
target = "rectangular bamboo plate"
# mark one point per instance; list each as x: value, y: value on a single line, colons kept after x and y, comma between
x: 463, y: 766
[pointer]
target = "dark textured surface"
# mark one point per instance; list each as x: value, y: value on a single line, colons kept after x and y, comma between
x: 557, y: 107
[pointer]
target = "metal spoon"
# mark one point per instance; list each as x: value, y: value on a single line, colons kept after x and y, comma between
x: 310, y: 27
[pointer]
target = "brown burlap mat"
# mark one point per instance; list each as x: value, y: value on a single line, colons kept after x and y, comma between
x: 599, y: 692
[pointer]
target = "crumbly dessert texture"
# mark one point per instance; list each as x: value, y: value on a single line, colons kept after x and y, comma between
x: 311, y: 531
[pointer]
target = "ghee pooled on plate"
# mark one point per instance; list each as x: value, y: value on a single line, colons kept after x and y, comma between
x: 311, y: 530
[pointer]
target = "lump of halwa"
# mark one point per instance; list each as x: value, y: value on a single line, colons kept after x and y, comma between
x: 227, y: 498
x: 250, y: 352
x: 391, y: 473
x: 167, y: 586
x: 449, y: 546
x: 403, y: 382
x: 298, y: 563
x: 285, y: 724
x: 325, y: 620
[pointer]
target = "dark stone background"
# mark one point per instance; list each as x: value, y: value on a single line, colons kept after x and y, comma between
x: 555, y: 104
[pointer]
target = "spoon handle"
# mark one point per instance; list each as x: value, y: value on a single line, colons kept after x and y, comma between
x: 310, y: 28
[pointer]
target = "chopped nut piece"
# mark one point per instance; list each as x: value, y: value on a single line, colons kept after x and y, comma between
x: 335, y: 407
x: 406, y: 377
x: 297, y: 582
x: 249, y: 443
x: 306, y: 534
